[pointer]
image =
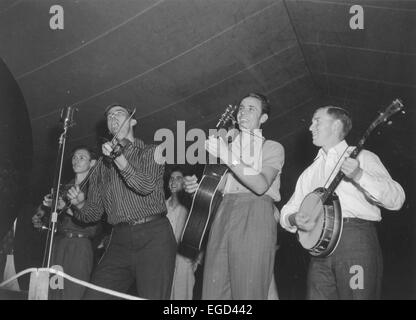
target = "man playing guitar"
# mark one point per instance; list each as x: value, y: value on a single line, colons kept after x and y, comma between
x: 354, y: 270
x: 240, y: 252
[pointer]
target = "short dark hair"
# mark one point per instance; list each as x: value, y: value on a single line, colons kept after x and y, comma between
x: 91, y: 152
x: 183, y: 197
x: 115, y: 104
x: 172, y: 168
x: 265, y: 103
x: 342, y: 115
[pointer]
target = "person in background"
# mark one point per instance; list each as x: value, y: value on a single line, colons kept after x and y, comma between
x: 184, y: 277
x: 72, y: 249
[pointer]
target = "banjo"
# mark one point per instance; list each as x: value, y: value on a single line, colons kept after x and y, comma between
x: 323, y: 206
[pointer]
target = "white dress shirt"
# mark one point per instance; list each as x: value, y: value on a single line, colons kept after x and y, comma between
x: 257, y: 153
x: 358, y: 199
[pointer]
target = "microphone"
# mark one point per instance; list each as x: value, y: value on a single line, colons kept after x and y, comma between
x: 67, y: 116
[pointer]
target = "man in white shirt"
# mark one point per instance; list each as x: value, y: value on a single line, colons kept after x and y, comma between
x: 354, y: 270
x: 240, y: 252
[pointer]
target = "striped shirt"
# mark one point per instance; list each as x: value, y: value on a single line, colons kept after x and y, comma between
x: 66, y: 223
x: 126, y: 195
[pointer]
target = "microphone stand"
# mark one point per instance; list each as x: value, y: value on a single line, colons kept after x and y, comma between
x: 68, y: 122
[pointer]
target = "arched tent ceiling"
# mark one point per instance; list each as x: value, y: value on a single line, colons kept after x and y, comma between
x: 187, y: 60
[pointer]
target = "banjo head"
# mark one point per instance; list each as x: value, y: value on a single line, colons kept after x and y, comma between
x: 312, y: 207
x: 323, y: 239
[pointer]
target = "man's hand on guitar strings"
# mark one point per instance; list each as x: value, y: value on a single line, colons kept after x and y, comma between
x: 218, y: 148
x: 47, y: 202
x: 190, y: 183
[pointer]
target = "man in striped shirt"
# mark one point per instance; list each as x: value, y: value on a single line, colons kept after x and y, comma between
x: 129, y: 188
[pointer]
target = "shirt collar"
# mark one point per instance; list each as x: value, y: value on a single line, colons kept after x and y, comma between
x: 337, y: 150
x: 254, y: 136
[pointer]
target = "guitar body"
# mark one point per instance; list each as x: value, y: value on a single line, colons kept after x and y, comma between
x: 323, y: 239
x: 205, y: 203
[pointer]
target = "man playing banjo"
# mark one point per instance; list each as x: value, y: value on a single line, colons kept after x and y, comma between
x: 354, y: 269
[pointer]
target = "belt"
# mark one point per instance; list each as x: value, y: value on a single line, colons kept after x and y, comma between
x: 141, y: 220
x: 75, y: 235
x: 356, y: 220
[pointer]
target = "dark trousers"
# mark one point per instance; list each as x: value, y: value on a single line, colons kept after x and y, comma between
x: 143, y: 252
x: 354, y: 271
x: 75, y: 256
x: 240, y: 254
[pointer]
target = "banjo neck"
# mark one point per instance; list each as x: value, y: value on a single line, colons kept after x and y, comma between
x: 394, y: 107
x: 340, y: 175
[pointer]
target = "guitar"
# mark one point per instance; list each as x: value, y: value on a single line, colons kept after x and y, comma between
x: 323, y: 206
x: 206, y: 199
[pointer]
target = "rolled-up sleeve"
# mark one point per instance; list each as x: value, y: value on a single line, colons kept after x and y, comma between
x: 293, y: 205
